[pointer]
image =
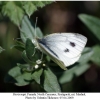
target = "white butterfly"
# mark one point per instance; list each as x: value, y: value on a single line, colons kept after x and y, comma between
x: 63, y: 48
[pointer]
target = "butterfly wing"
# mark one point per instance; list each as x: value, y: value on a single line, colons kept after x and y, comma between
x: 51, y: 54
x: 66, y: 48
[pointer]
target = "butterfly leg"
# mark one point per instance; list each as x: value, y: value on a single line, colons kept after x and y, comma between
x: 41, y: 56
x: 39, y: 61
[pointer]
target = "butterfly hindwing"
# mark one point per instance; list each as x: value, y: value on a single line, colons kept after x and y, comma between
x: 52, y: 55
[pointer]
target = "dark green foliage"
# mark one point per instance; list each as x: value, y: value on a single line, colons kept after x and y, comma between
x: 93, y: 23
x: 50, y: 81
x: 16, y: 10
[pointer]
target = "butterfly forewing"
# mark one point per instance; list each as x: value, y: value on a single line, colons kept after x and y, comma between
x: 71, y: 45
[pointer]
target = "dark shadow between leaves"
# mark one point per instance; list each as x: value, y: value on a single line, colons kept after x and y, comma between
x: 42, y: 78
x: 73, y: 65
x: 8, y: 78
x: 30, y: 81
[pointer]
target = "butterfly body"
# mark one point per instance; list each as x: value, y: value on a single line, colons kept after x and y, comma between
x: 63, y: 48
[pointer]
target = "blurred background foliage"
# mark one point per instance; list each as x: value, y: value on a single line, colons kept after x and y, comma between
x: 60, y: 16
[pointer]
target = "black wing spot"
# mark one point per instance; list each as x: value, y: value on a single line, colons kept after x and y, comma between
x: 66, y: 50
x: 72, y: 44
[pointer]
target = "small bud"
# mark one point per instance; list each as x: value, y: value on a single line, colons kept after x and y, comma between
x: 43, y: 64
x: 36, y: 66
x: 38, y: 61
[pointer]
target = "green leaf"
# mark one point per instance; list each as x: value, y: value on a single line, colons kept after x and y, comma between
x: 13, y: 11
x: 26, y: 67
x: 50, y: 83
x: 18, y: 45
x: 86, y: 50
x: 92, y: 23
x: 1, y: 49
x: 86, y: 55
x: 76, y: 70
x: 30, y: 49
x: 81, y: 69
x: 66, y: 76
x: 48, y: 58
x: 37, y: 74
x: 29, y: 7
x: 22, y: 65
x: 96, y: 55
x: 24, y: 56
x: 28, y: 31
x: 16, y: 76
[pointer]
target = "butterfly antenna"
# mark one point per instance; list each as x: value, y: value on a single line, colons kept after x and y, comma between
x: 35, y: 36
x: 36, y: 25
x: 39, y: 60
